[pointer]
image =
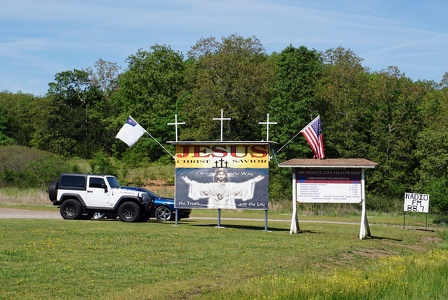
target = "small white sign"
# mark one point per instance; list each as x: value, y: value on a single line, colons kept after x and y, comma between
x: 416, y: 202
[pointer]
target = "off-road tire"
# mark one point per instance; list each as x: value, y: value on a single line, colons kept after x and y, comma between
x: 129, y: 212
x: 71, y: 209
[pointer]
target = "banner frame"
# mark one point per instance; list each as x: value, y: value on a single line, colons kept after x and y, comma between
x: 233, y: 143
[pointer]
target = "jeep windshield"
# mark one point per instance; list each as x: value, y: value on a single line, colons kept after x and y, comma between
x: 113, y: 182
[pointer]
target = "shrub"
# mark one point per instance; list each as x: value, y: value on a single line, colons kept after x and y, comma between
x: 27, y: 167
x: 437, y: 189
x: 381, y: 203
x: 101, y: 164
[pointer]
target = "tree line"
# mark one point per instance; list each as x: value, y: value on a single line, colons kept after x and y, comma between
x: 382, y: 116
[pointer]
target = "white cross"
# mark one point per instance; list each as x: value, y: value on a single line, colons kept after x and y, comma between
x: 222, y: 119
x: 267, y: 127
x: 175, y: 124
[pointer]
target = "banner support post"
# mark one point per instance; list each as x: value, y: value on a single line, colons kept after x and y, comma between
x: 219, y: 218
x: 266, y: 220
x: 177, y: 217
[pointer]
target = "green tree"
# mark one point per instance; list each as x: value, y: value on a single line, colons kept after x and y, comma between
x: 234, y: 75
x: 432, y: 149
x: 432, y: 153
x: 104, y: 76
x: 4, y: 139
x: 294, y: 103
x: 346, y: 113
x: 65, y: 122
x: 16, y: 109
x: 374, y: 116
x: 148, y: 92
x: 297, y: 73
x: 396, y: 123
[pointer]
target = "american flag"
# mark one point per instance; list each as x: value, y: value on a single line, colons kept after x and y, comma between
x: 313, y: 134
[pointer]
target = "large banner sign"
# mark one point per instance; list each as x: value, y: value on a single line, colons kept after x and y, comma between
x: 416, y: 202
x: 222, y: 176
x: 329, y: 186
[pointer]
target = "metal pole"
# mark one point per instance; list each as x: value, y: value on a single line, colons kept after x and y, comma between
x: 265, y: 220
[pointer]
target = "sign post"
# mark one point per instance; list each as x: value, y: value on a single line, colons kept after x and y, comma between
x: 295, y: 220
x: 365, y: 229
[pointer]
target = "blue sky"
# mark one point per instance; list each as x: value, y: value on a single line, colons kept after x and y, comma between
x: 39, y: 39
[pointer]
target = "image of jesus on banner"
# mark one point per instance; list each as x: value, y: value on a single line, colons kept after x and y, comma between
x: 221, y: 193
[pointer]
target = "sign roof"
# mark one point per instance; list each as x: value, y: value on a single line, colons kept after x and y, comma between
x: 358, y: 163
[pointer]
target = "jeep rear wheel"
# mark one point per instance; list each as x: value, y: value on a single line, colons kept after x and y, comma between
x: 129, y: 212
x: 71, y: 209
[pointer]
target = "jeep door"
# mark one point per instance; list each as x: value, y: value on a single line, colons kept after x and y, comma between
x: 97, y: 192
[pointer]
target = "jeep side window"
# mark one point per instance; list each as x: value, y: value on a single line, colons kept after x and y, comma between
x: 73, y: 181
x: 95, y: 182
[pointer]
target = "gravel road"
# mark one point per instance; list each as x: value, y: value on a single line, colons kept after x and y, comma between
x: 15, y: 213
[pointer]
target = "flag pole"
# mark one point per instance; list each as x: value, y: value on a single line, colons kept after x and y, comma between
x: 298, y: 133
x: 318, y: 116
x: 161, y: 145
x: 288, y: 142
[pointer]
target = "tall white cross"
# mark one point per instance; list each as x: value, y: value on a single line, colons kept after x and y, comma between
x: 267, y: 127
x: 222, y: 119
x: 175, y: 124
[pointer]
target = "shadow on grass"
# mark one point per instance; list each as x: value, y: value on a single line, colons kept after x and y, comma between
x: 247, y: 227
x: 429, y: 230
x: 307, y: 231
x: 382, y: 238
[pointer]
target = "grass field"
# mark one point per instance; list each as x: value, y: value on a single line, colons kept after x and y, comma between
x: 60, y: 259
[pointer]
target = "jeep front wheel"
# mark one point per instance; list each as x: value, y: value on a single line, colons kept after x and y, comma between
x: 129, y: 212
x: 71, y: 209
